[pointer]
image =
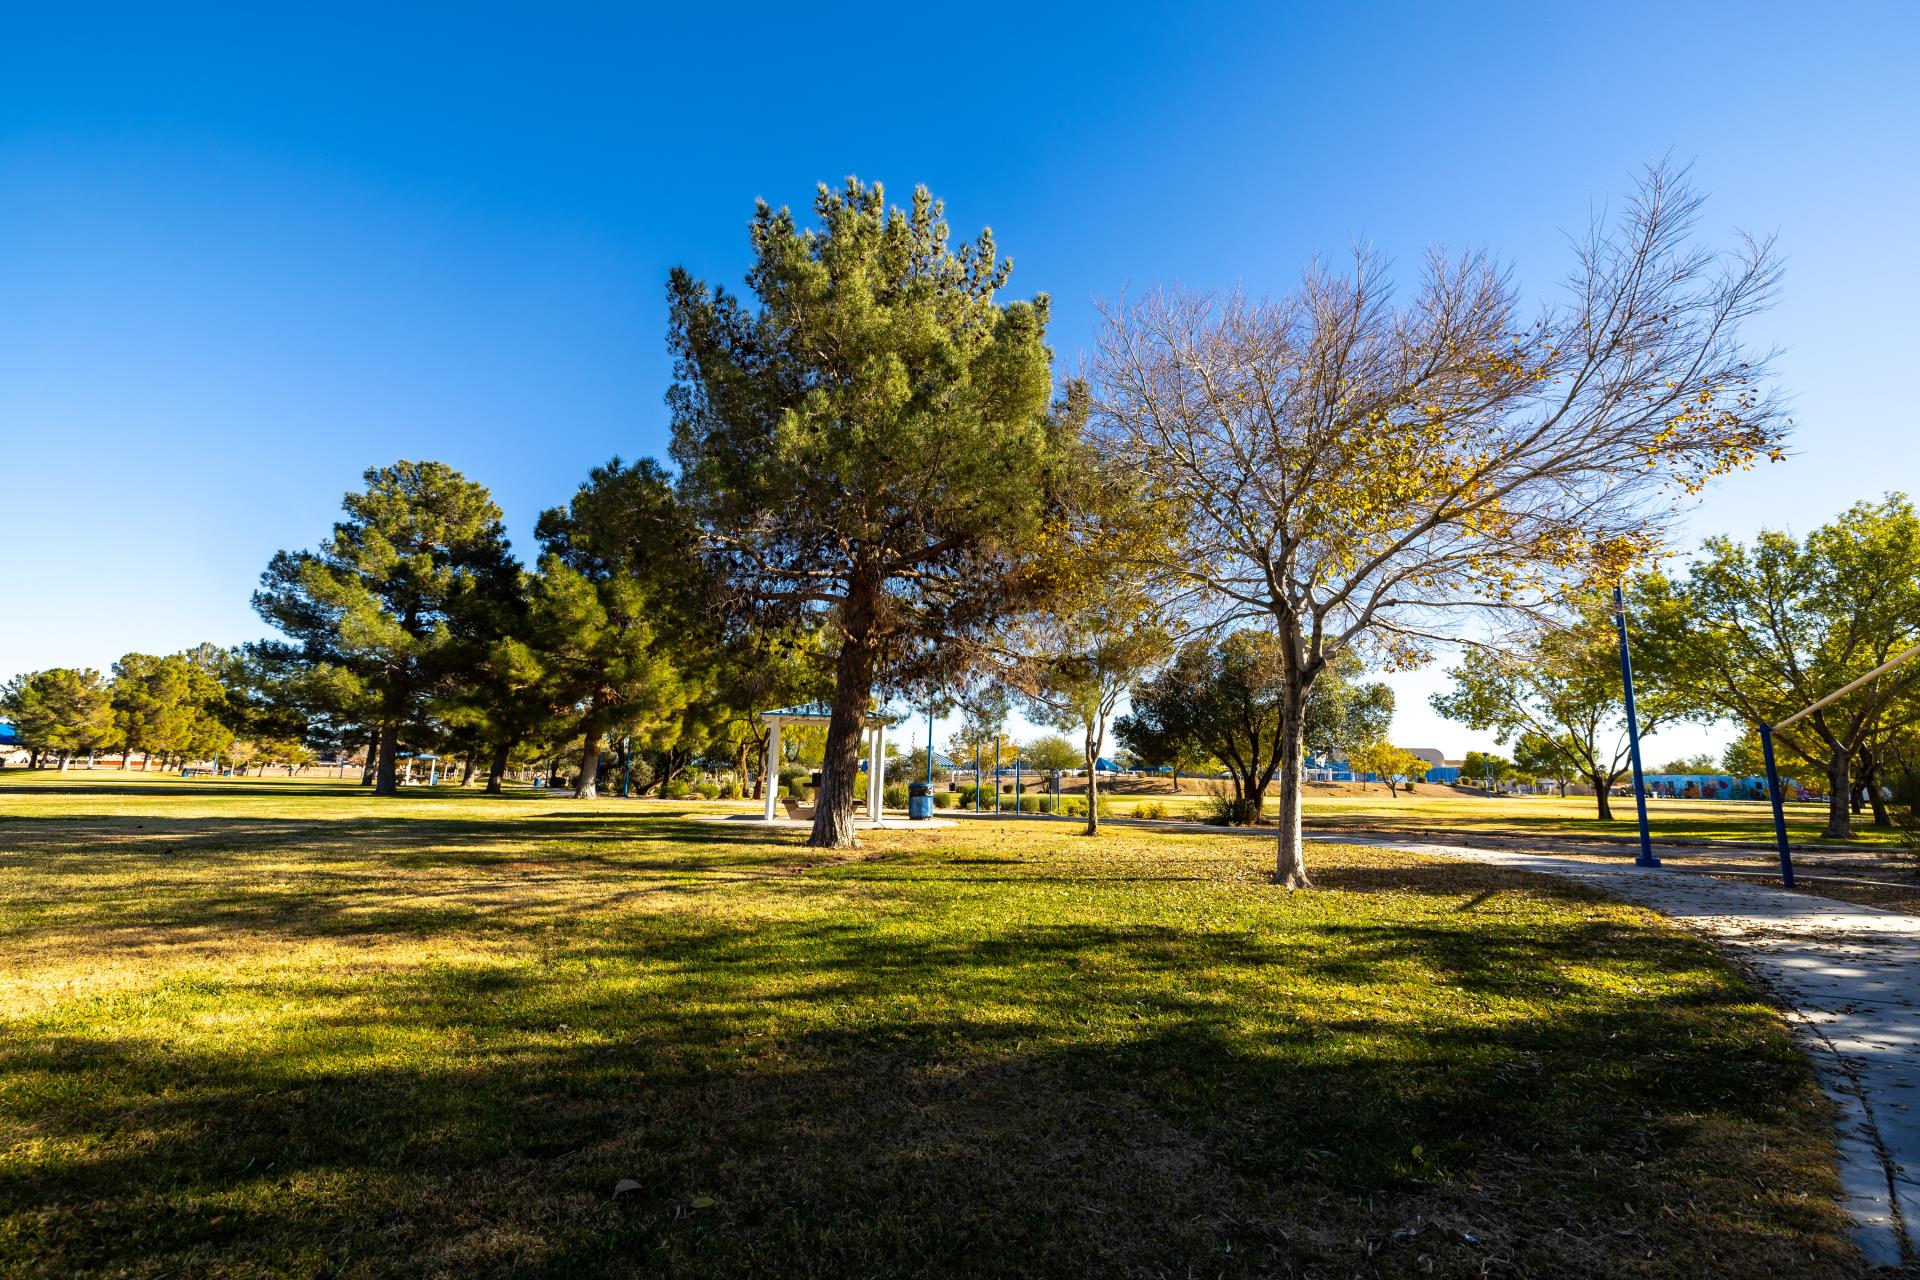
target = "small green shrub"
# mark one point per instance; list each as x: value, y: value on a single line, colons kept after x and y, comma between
x: 945, y: 799
x: 1407, y: 787
x: 708, y: 790
x: 1032, y: 804
x: 1071, y: 807
x: 1224, y: 809
x: 678, y: 791
x: 966, y: 797
x: 893, y: 796
x: 1153, y: 809
x: 785, y: 792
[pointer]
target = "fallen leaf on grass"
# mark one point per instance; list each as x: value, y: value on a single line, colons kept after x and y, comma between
x: 623, y: 1186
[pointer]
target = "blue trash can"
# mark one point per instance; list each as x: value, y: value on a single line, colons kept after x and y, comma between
x: 919, y: 800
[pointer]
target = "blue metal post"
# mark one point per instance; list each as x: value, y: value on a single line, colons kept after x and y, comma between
x: 626, y: 765
x: 929, y: 748
x: 1646, y: 858
x: 1016, y: 779
x: 996, y: 775
x: 976, y: 777
x: 1779, y: 806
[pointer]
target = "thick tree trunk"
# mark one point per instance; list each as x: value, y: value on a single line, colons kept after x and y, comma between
x: 1290, y: 862
x: 587, y: 786
x: 466, y: 769
x: 497, y: 773
x: 386, y: 780
x: 1603, y: 796
x: 852, y: 687
x: 1254, y: 792
x: 1840, y: 792
x: 126, y: 755
x: 372, y: 764
x: 1871, y: 777
x: 65, y: 756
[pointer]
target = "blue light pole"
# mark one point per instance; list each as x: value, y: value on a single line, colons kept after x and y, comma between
x: 1779, y: 807
x: 1646, y: 858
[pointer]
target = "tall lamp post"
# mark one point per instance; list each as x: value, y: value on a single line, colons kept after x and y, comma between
x: 1646, y: 858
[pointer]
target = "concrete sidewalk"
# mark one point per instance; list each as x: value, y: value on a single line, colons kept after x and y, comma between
x: 1848, y: 979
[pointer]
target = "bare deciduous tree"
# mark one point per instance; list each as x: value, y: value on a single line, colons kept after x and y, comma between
x: 1359, y: 473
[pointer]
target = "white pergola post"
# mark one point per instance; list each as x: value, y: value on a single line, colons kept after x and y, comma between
x: 770, y: 769
x: 878, y: 774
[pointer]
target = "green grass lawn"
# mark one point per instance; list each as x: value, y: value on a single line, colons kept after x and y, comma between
x: 257, y: 1028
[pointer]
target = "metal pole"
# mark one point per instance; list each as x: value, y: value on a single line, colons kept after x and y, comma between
x: 1779, y: 806
x: 929, y: 748
x: 996, y: 775
x: 1016, y: 778
x: 626, y: 765
x: 1646, y: 858
x: 976, y: 777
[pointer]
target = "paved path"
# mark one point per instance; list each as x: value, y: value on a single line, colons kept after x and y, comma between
x: 1848, y: 978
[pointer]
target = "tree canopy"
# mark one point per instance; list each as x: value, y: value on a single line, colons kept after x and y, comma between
x: 60, y: 711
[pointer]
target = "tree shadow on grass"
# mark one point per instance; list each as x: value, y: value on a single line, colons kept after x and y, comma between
x: 819, y: 1097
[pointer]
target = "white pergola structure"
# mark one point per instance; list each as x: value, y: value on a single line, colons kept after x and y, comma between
x: 876, y: 754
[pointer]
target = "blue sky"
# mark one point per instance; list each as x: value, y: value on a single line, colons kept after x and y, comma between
x: 245, y: 255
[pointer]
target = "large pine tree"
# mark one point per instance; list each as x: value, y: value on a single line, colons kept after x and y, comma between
x: 614, y: 609
x: 399, y: 596
x: 869, y: 446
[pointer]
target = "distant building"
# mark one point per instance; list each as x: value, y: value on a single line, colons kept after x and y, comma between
x: 1331, y: 769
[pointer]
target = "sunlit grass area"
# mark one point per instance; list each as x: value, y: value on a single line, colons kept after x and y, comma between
x: 1434, y: 808
x: 1551, y: 815
x: 258, y: 1028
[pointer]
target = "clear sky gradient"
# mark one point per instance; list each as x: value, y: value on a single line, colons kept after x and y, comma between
x: 245, y: 255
